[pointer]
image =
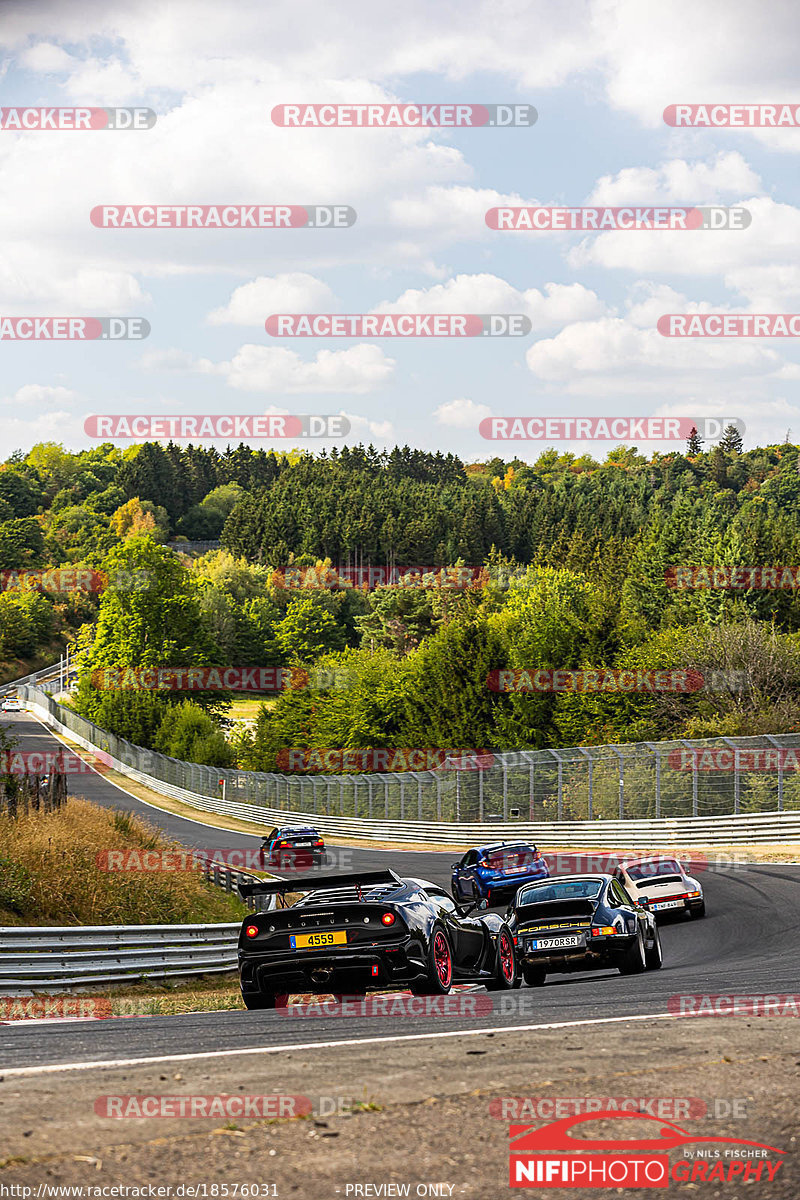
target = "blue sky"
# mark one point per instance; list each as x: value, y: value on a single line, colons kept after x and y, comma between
x: 599, y: 74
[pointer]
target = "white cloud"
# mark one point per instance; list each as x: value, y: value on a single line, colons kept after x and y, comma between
x: 462, y: 413
x: 357, y: 370
x: 47, y: 58
x: 557, y: 304
x: 772, y: 237
x: 295, y: 292
x: 678, y: 182
x: 180, y: 362
x: 39, y: 393
x: 361, y: 427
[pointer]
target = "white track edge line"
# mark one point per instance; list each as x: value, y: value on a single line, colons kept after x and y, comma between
x: 106, y: 1064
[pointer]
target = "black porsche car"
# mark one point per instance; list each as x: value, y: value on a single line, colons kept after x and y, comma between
x: 369, y: 931
x: 578, y: 923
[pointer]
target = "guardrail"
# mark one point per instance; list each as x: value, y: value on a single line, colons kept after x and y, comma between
x: 56, y: 959
x: 30, y: 680
x: 42, y: 959
x: 638, y: 795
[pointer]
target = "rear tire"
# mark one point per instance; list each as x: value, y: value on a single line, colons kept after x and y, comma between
x: 653, y: 956
x: 534, y: 976
x: 697, y: 913
x: 505, y: 964
x: 260, y: 1000
x: 439, y: 975
x: 634, y: 960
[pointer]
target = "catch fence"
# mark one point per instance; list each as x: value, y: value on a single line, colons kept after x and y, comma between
x: 638, y: 781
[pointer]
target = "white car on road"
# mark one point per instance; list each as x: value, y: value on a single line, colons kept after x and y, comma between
x: 12, y: 704
x: 662, y: 884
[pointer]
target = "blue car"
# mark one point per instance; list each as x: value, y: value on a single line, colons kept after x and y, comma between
x: 496, y: 872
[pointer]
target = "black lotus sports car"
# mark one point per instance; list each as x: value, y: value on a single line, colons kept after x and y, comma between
x: 366, y: 931
x: 581, y: 922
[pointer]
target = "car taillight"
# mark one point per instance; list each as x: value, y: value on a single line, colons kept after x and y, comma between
x: 692, y: 895
x: 605, y: 930
x: 319, y: 842
x: 251, y: 931
x: 388, y: 918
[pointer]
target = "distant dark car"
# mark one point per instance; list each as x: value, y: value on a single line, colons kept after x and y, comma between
x: 582, y: 922
x: 293, y: 846
x: 371, y: 930
x: 497, y: 871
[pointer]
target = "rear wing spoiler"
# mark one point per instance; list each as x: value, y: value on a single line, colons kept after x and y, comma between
x: 312, y: 883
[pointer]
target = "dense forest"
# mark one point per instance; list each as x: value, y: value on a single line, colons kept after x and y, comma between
x: 570, y: 569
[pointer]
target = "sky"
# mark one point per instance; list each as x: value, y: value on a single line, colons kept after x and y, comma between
x: 599, y: 75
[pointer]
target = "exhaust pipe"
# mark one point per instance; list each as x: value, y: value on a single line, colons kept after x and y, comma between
x: 322, y: 974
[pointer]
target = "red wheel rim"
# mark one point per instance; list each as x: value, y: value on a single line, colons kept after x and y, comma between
x: 441, y: 957
x: 506, y: 958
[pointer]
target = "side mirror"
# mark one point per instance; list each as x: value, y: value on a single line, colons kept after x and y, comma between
x: 454, y: 866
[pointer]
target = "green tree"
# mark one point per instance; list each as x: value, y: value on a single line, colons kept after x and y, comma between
x: 309, y: 629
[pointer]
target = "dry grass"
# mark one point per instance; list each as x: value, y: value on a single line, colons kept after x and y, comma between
x: 49, y: 873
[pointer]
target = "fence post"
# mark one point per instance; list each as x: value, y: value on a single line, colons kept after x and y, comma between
x: 438, y: 796
x: 736, y: 782
x: 658, y: 785
x: 419, y: 797
x: 369, y: 793
x: 621, y: 785
x: 776, y: 743
x: 402, y: 797
x: 590, y: 791
x: 505, y: 789
x: 386, y: 797
x: 480, y: 795
x: 531, y: 784
x: 560, y: 784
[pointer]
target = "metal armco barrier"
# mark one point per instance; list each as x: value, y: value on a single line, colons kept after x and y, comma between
x: 711, y: 792
x: 47, y: 960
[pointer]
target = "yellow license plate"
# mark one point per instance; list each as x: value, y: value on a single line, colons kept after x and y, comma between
x: 314, y: 941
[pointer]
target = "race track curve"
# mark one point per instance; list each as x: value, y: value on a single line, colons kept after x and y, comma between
x: 748, y: 943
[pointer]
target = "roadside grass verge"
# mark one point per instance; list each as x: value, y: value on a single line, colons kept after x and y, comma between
x: 50, y: 873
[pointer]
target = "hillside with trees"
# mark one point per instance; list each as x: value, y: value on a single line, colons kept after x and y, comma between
x: 569, y: 562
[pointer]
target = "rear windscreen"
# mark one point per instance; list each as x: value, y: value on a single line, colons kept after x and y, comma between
x: 649, y: 870
x: 510, y: 857
x: 580, y: 889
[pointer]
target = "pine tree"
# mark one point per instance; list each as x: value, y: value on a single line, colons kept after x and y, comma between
x: 694, y: 444
x: 732, y: 440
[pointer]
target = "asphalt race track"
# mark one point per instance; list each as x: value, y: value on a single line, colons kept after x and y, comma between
x: 748, y: 943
